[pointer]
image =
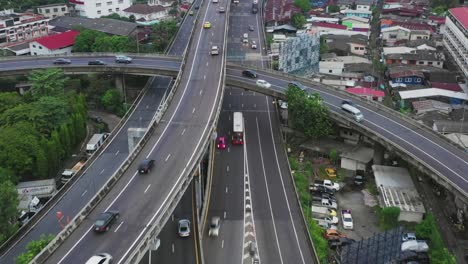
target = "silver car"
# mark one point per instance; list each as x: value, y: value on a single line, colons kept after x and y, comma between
x: 214, y: 226
x: 184, y: 228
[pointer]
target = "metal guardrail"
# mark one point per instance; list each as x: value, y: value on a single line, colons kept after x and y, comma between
x: 94, y: 55
x: 25, y: 229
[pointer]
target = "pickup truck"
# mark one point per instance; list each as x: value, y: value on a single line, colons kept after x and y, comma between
x: 328, y: 184
x: 325, y: 203
x: 347, y: 219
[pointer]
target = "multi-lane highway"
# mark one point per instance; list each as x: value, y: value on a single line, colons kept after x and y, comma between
x: 279, y: 231
x: 96, y: 174
x: 181, y: 134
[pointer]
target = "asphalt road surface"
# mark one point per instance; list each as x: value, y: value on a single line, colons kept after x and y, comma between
x: 140, y: 198
x: 96, y: 174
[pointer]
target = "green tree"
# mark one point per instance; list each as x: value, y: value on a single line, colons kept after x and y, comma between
x: 132, y: 18
x: 112, y: 100
x: 65, y: 139
x: 58, y: 148
x: 111, y: 44
x: 333, y: 155
x: 9, y: 100
x: 163, y: 33
x: 85, y: 40
x: 303, y: 4
x: 48, y: 82
x: 52, y: 152
x: 333, y: 9
x: 8, y: 209
x: 298, y: 20
x: 41, y: 166
x: 307, y: 113
x: 19, y: 144
x: 173, y: 11
x: 33, y: 248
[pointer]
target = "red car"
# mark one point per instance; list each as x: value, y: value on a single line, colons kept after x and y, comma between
x: 221, y: 144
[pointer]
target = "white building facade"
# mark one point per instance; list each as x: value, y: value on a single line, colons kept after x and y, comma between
x: 53, y: 10
x: 98, y: 8
x: 17, y: 27
x: 455, y: 37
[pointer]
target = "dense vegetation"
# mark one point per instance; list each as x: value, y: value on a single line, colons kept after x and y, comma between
x: 307, y: 113
x: 37, y: 132
x: 438, y: 253
x: 26, y: 4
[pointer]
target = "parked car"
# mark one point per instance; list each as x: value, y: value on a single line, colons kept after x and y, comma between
x: 253, y: 45
x: 123, y: 59
x: 325, y: 203
x: 320, y: 189
x: 342, y: 241
x: 105, y: 221
x: 317, y: 196
x: 328, y: 184
x: 358, y: 180
x: 249, y: 73
x: 324, y: 211
x: 329, y: 219
x: 331, y: 172
x: 221, y: 9
x: 145, y: 166
x: 221, y: 144
x: 415, y: 245
x: 298, y: 85
x: 101, y: 258
x: 325, y: 225
x: 62, y: 61
x: 332, y: 234
x: 184, y: 228
x: 96, y: 62
x: 214, y: 226
x: 191, y: 13
x: 251, y: 28
x: 408, y: 237
x: 347, y: 219
x: 263, y: 84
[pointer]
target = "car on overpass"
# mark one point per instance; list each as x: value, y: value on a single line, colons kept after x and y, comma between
x: 101, y: 258
x: 123, y: 59
x: 207, y: 24
x: 62, y: 61
x: 214, y: 50
x: 249, y: 73
x: 184, y: 228
x: 105, y: 221
x: 263, y: 84
x: 96, y: 62
x: 221, y: 9
x: 145, y: 166
x: 214, y: 226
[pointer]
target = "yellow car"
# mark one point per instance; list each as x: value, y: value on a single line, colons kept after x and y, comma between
x: 331, y: 172
x: 207, y: 24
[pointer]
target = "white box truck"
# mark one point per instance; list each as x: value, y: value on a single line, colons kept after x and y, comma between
x: 95, y: 143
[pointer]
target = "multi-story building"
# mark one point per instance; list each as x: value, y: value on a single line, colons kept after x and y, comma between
x: 98, y: 8
x: 53, y: 10
x: 456, y: 37
x: 300, y: 55
x: 17, y: 27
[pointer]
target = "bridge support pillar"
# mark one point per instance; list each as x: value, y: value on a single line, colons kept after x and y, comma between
x: 379, y: 151
x: 119, y: 83
x: 134, y: 135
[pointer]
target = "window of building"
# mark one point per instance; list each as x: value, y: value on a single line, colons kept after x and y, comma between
x: 356, y: 48
x: 399, y: 79
x: 47, y: 11
x: 63, y: 9
x: 99, y: 12
x: 34, y: 46
x: 418, y: 79
x: 362, y: 48
x: 110, y: 10
x: 330, y: 71
x: 438, y: 63
x: 98, y: 4
x: 117, y: 9
x: 109, y: 3
x: 421, y: 62
x: 418, y: 37
x: 55, y: 10
x: 40, y: 47
x: 407, y: 79
x: 392, y: 36
x: 35, y: 53
x: 429, y: 62
x: 120, y: 1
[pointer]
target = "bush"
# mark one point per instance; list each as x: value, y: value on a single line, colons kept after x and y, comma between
x: 388, y: 217
x: 33, y: 248
x: 293, y: 163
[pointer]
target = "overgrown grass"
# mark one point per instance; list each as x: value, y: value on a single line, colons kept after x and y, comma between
x: 301, y: 179
x: 388, y: 217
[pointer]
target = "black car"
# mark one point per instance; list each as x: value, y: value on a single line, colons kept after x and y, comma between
x: 251, y: 28
x: 105, y: 220
x: 145, y: 166
x: 348, y: 102
x: 249, y: 73
x: 96, y: 62
x: 197, y: 7
x: 320, y: 189
x: 62, y: 61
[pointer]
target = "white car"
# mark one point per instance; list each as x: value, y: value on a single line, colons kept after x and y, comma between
x: 263, y: 84
x: 347, y: 219
x: 254, y: 45
x: 101, y: 258
x: 214, y: 50
x: 214, y: 226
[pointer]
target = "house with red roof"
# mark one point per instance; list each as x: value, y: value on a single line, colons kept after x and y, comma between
x: 61, y: 43
x: 367, y: 93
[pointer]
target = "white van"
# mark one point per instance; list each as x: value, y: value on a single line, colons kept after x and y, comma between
x: 353, y: 111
